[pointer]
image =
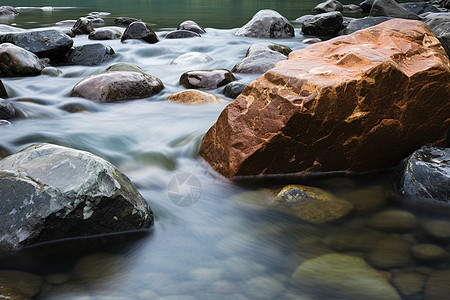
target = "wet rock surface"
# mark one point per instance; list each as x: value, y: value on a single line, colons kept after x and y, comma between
x: 393, y: 221
x: 191, y: 26
x: 181, y: 34
x: 125, y: 20
x: 390, y: 252
x: 206, y: 79
x: 326, y: 24
x: 16, y: 61
x: 328, y: 6
x: 425, y: 174
x: 267, y: 24
x: 89, y: 55
x: 194, y: 97
x: 53, y: 192
x: 83, y: 26
x: 43, y: 43
x: 233, y: 89
x: 7, y: 110
x: 327, y: 106
x: 390, y: 8
x: 363, y: 23
x: 191, y: 58
x: 140, y: 31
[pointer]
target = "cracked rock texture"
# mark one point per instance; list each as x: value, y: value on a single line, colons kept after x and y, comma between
x: 359, y: 102
x: 50, y: 192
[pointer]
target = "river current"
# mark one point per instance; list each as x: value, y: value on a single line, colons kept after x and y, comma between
x: 223, y: 243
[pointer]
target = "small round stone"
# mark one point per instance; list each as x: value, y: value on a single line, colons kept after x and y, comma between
x: 438, y: 229
x: 391, y: 252
x: 409, y: 283
x: 428, y: 252
x: 393, y: 221
x: 51, y: 71
x: 194, y: 97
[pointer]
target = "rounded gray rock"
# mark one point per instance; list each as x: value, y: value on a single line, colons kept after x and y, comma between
x: 140, y: 31
x: 326, y: 24
x: 206, y: 79
x: 104, y: 34
x: 267, y: 23
x: 16, y: 61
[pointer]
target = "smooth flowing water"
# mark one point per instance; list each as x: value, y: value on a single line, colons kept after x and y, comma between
x: 227, y: 244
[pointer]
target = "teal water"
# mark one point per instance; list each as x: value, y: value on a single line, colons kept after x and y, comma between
x: 229, y: 244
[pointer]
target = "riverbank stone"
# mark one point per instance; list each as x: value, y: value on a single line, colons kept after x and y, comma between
x: 206, y: 79
x: 390, y: 8
x: 194, y: 97
x: 105, y: 34
x: 419, y: 8
x: 310, y: 204
x: 363, y: 23
x: 261, y: 57
x: 389, y: 253
x: 327, y: 107
x: 116, y: 86
x: 328, y: 6
x: 89, y: 55
x: 366, y: 5
x: 191, y: 58
x: 16, y: 61
x: 393, y: 221
x: 56, y: 192
x: 181, y: 34
x: 139, y: 31
x: 83, y: 26
x: 234, y: 89
x: 191, y: 26
x: 326, y: 24
x: 44, y: 43
x: 7, y: 110
x: 429, y: 252
x: 425, y: 174
x: 267, y: 24
x: 344, y: 277
x: 19, y: 284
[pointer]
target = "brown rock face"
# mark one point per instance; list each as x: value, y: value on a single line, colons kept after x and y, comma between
x: 358, y: 102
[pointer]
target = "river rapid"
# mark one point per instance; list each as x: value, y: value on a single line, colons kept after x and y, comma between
x: 224, y: 243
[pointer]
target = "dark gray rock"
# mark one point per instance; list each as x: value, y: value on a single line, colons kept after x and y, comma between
x: 390, y: 8
x: 125, y: 20
x: 327, y: 24
x: 7, y: 110
x: 363, y: 23
x: 16, y: 61
x: 140, y: 31
x: 261, y: 57
x: 267, y: 24
x: 104, y: 34
x: 114, y: 86
x: 419, y: 7
x: 439, y: 23
x: 445, y: 41
x: 234, y: 89
x: 51, y: 192
x: 8, y: 11
x: 191, y: 26
x: 327, y: 6
x: 3, y: 93
x: 352, y: 8
x: 206, y: 79
x: 95, y: 20
x: 425, y: 175
x: 191, y: 58
x: 180, y: 34
x: 89, y: 55
x: 83, y: 26
x: 44, y: 43
x: 303, y: 19
x: 366, y: 5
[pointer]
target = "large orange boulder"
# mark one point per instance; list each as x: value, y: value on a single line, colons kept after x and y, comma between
x: 359, y: 102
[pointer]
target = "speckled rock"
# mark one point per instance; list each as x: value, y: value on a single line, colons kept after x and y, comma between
x: 267, y: 24
x: 7, y: 110
x: 390, y: 8
x: 206, y: 79
x: 395, y: 221
x: 429, y: 252
x: 345, y: 277
x: 389, y: 253
x: 48, y: 186
x: 191, y: 58
x: 3, y: 123
x: 140, y: 31
x: 181, y: 34
x: 437, y: 286
x: 439, y: 229
x: 18, y: 284
x: 366, y: 5
x: 104, y: 34
x: 409, y: 283
x: 116, y: 86
x: 16, y: 61
x: 194, y: 97
x: 311, y: 204
x: 234, y: 89
x: 83, y: 26
x: 311, y: 41
x: 89, y: 55
x: 44, y: 43
x: 326, y: 106
x: 261, y: 57
x: 425, y: 175
x: 191, y: 26
x: 328, y: 6
x: 326, y: 24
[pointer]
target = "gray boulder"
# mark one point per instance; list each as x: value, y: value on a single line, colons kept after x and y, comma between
x: 180, y: 34
x: 425, y: 175
x: 327, y: 24
x: 419, y: 7
x: 234, y: 89
x: 114, y: 86
x: 363, y: 23
x: 89, y: 55
x: 51, y: 192
x: 8, y: 11
x: 104, y: 34
x: 206, y: 79
x: 445, y: 4
x: 390, y: 8
x: 7, y: 111
x: 16, y: 61
x: 83, y: 26
x: 261, y: 57
x: 267, y: 24
x: 140, y: 31
x: 191, y: 26
x: 44, y: 43
x: 327, y: 6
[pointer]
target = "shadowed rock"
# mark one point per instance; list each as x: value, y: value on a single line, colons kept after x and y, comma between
x: 267, y: 24
x: 104, y: 34
x: 140, y: 31
x: 180, y: 34
x: 195, y: 97
x: 89, y: 55
x: 327, y: 24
